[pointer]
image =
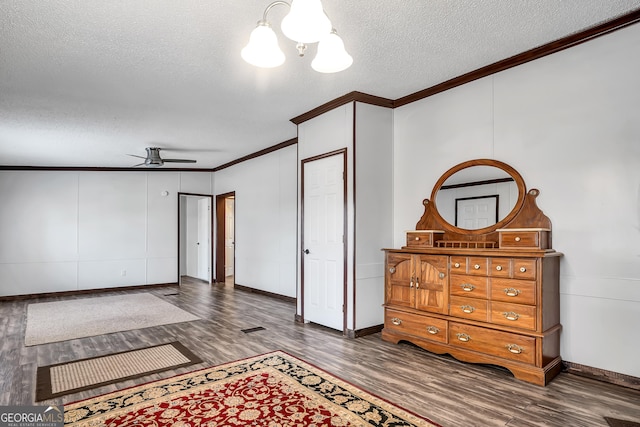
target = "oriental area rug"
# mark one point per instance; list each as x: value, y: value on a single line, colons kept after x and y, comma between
x: 274, y: 389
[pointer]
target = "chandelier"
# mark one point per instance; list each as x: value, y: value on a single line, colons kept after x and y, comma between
x: 305, y: 23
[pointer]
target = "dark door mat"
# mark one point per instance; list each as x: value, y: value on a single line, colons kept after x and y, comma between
x: 247, y: 331
x: 614, y: 422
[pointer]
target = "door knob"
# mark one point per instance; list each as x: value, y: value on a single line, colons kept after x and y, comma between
x: 306, y: 251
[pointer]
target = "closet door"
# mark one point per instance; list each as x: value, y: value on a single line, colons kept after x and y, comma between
x: 323, y: 241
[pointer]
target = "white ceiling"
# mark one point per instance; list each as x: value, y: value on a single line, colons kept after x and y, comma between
x: 85, y: 82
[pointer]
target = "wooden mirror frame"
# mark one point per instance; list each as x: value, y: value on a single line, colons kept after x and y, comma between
x: 470, y: 163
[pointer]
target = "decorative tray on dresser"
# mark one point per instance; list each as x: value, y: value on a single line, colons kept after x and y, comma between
x: 487, y: 293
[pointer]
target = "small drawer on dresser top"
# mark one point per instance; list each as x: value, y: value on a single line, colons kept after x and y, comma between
x: 513, y: 291
x: 469, y: 286
x: 423, y: 238
x: 418, y: 325
x: 502, y: 344
x: 516, y: 315
x: 469, y: 308
x: 524, y: 238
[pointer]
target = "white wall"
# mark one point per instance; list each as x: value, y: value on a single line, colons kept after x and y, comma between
x: 323, y: 134
x: 569, y: 123
x: 66, y: 231
x: 374, y: 209
x: 265, y: 220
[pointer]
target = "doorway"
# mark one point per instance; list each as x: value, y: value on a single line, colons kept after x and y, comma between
x: 194, y: 237
x: 324, y: 244
x: 225, y: 237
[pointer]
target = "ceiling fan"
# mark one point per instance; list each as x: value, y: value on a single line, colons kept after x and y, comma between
x: 153, y: 159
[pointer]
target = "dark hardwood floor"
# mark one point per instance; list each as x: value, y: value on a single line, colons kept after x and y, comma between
x: 441, y: 388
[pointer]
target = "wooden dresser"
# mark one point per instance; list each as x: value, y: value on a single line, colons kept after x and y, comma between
x: 484, y: 295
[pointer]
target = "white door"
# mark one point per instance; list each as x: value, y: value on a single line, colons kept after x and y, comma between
x: 229, y: 204
x: 477, y: 212
x: 323, y: 244
x: 204, y: 239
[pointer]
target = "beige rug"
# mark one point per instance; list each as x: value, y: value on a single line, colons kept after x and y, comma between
x: 86, y: 317
x: 71, y: 377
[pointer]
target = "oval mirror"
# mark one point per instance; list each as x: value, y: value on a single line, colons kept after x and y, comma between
x: 478, y: 195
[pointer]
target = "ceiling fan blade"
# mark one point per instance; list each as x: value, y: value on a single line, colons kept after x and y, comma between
x: 179, y: 161
x: 133, y: 155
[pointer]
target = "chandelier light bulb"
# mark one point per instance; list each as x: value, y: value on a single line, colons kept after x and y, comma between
x: 332, y: 56
x: 263, y: 49
x: 306, y: 22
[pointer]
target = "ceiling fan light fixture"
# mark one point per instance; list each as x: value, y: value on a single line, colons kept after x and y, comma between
x: 332, y: 57
x: 306, y: 21
x: 263, y: 50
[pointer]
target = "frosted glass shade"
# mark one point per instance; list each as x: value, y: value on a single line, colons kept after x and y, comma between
x: 263, y: 49
x: 306, y: 22
x: 332, y: 56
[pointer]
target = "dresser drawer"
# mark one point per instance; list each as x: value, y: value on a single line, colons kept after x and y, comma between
x: 514, y: 291
x: 423, y: 238
x: 515, y: 315
x: 414, y: 324
x: 500, y: 267
x: 477, y: 266
x: 469, y: 308
x: 458, y: 265
x: 417, y: 240
x: 469, y: 286
x: 523, y: 238
x: 497, y: 343
x: 524, y: 268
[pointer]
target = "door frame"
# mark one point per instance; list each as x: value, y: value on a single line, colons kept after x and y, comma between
x: 343, y: 152
x: 221, y: 229
x: 210, y: 231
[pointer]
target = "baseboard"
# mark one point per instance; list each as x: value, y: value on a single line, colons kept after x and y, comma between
x: 195, y: 279
x: 298, y: 318
x: 355, y: 333
x: 266, y: 293
x: 602, y: 375
x: 84, y: 291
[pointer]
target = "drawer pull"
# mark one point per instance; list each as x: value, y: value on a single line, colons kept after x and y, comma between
x: 417, y: 238
x: 392, y: 270
x: 432, y: 330
x: 512, y: 292
x: 522, y: 269
x: 511, y: 315
x: 441, y: 275
x: 499, y: 267
x: 411, y: 283
x: 463, y: 337
x: 467, y: 309
x: 517, y: 239
x: 467, y: 287
x: 515, y: 348
x: 396, y: 321
x: 477, y: 266
x: 417, y: 284
x: 456, y: 265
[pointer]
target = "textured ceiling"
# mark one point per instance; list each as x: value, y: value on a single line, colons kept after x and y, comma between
x: 84, y: 82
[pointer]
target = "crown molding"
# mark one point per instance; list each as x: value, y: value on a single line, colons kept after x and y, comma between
x: 344, y: 99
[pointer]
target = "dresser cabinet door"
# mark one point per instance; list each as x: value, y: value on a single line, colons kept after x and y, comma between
x: 432, y: 292
x: 399, y: 279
